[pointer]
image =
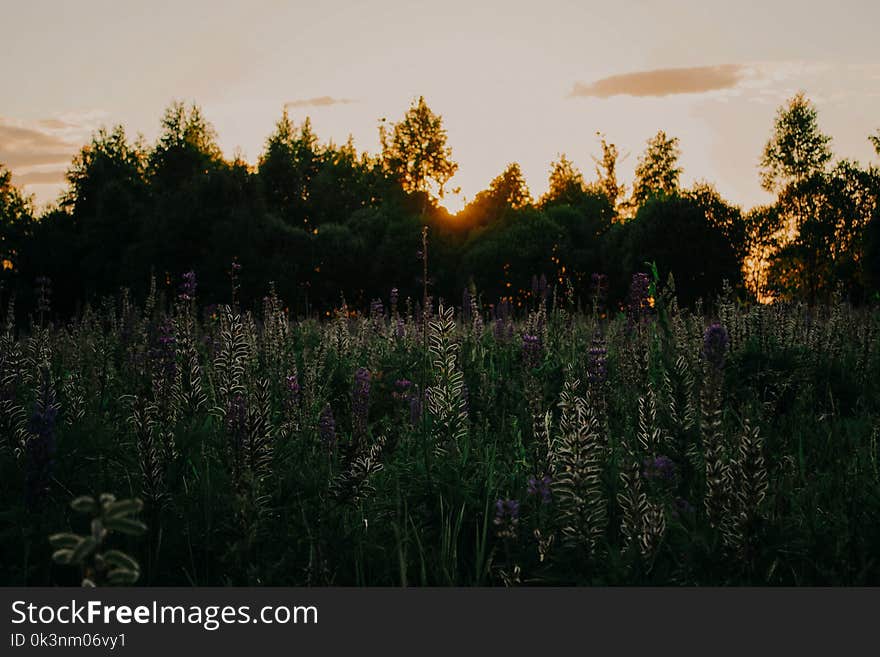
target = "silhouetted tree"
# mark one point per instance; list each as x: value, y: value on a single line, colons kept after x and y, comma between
x: 107, y: 195
x: 657, y: 171
x: 414, y: 150
x: 872, y: 255
x: 287, y: 167
x: 606, y: 170
x: 16, y: 223
x: 507, y: 191
x: 764, y: 235
x: 796, y: 148
x: 832, y: 210
x: 190, y: 187
x: 684, y: 235
x: 566, y: 184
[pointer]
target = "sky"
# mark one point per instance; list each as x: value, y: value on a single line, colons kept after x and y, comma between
x: 513, y: 81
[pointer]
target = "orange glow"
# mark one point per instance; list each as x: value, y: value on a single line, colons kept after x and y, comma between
x: 7, y: 264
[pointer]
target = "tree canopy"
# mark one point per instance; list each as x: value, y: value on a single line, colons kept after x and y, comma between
x: 657, y: 171
x: 415, y: 150
x: 324, y: 222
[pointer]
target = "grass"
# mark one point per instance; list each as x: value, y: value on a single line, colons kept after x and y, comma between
x: 212, y: 417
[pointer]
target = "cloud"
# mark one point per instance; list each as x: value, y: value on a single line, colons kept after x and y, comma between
x: 320, y: 101
x: 25, y: 146
x: 664, y: 82
x: 39, y: 151
x: 55, y: 124
x: 53, y: 177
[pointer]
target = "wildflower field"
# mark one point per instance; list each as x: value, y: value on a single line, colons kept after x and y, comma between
x: 442, y: 443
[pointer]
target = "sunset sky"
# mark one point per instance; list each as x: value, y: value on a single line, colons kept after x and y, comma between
x: 514, y: 81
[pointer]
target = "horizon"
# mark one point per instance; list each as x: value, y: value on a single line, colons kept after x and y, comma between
x: 521, y: 84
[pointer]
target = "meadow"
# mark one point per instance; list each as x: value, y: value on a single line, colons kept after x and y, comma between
x: 556, y: 443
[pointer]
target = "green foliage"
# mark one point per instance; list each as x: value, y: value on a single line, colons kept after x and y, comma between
x: 99, y: 565
x: 657, y: 171
x: 16, y: 225
x: 662, y: 467
x: 665, y: 230
x: 414, y: 150
x: 828, y: 214
x: 796, y: 148
x: 606, y: 170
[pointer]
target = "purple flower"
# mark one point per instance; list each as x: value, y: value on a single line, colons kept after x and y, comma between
x: 506, y: 518
x: 532, y: 351
x: 597, y: 362
x: 402, y: 389
x: 715, y: 344
x: 660, y: 468
x: 638, y: 305
x: 540, y: 487
x: 393, y: 298
x: 291, y: 383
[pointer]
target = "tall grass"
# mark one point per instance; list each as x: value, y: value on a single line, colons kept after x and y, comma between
x: 471, y: 446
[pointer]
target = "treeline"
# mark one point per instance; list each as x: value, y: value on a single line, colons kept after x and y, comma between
x: 321, y: 222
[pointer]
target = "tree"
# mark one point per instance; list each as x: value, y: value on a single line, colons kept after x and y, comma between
x: 657, y: 171
x: 16, y: 219
x: 681, y: 234
x: 606, y: 170
x: 107, y: 197
x: 796, y: 148
x: 872, y: 254
x: 507, y: 191
x: 566, y: 183
x: 875, y: 140
x: 414, y: 151
x: 195, y: 196
x: 764, y: 235
x: 583, y: 213
x: 510, y: 188
x: 287, y: 167
x: 187, y: 146
x: 826, y: 248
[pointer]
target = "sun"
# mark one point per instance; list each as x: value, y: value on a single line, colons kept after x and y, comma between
x: 454, y: 202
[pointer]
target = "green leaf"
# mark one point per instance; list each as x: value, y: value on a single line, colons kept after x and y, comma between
x: 64, y: 540
x: 128, y: 526
x: 84, y: 504
x: 120, y: 560
x: 123, y: 576
x: 124, y: 507
x: 62, y: 556
x: 85, y: 547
